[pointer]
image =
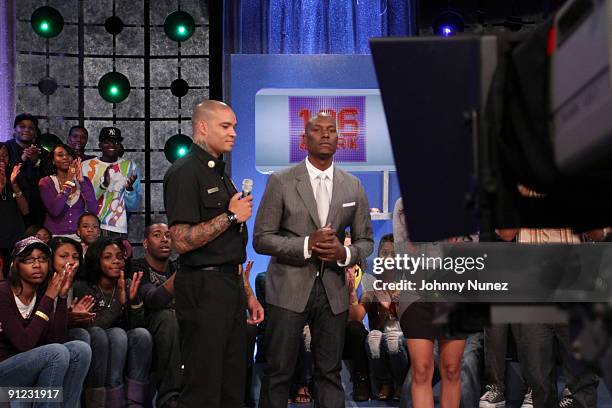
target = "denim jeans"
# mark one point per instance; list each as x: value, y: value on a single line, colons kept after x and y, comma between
x: 51, y: 365
x: 388, y: 356
x: 112, y: 350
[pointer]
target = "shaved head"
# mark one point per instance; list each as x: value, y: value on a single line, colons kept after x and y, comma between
x: 214, y: 127
x: 206, y: 110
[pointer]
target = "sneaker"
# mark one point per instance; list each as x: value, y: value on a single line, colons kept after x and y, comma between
x: 493, y: 398
x: 527, y: 400
x: 361, y: 388
x: 567, y: 400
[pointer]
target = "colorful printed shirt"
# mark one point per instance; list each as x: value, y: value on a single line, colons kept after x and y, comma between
x: 115, y: 201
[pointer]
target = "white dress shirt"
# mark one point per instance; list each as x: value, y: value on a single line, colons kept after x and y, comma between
x: 313, y: 174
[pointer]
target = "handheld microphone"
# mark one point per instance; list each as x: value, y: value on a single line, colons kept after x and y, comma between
x: 247, y: 187
x: 247, y: 190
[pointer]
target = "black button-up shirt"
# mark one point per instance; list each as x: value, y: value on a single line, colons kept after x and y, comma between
x: 197, y: 189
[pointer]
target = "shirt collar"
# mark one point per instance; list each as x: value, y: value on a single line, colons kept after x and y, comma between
x: 313, y: 172
x: 207, y: 158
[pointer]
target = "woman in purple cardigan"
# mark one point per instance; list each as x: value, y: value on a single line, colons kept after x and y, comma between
x: 66, y: 193
x: 32, y: 330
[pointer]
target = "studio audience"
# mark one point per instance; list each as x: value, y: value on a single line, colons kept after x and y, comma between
x: 33, y: 318
x: 66, y: 193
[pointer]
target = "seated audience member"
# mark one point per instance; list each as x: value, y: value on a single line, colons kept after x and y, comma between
x: 354, y: 350
x: 116, y: 184
x: 66, y: 193
x: 23, y: 149
x: 385, y: 343
x: 302, y: 377
x: 88, y: 229
x: 66, y: 252
x: 39, y: 232
x: 77, y: 140
x: 33, y: 318
x: 354, y: 341
x: 118, y: 339
x: 13, y: 206
x: 157, y: 293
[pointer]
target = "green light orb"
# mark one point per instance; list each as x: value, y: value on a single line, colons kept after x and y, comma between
x: 179, y: 26
x: 47, y: 22
x: 114, y: 87
x: 176, y: 147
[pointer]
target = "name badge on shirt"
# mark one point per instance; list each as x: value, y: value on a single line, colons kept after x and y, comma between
x: 212, y: 190
x: 351, y: 204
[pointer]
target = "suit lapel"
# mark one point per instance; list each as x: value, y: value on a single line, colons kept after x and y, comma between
x: 304, y: 189
x: 337, y: 195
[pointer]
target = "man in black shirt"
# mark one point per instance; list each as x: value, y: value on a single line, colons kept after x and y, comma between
x: 23, y: 149
x: 157, y: 293
x: 205, y: 213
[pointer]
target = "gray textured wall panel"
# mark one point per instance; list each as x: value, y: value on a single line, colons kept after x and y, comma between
x: 163, y: 130
x: 159, y: 165
x: 97, y: 11
x: 133, y: 106
x: 68, y: 8
x: 163, y: 71
x: 97, y: 41
x: 94, y: 68
x: 26, y: 38
x: 130, y: 41
x: 95, y: 105
x: 164, y: 104
x: 195, y: 71
x: 132, y: 68
x: 66, y: 42
x: 157, y: 197
x: 133, y: 134
x: 65, y: 70
x: 161, y: 44
x: 29, y: 99
x: 30, y: 68
x: 131, y: 11
x: 197, y: 44
x: 64, y: 102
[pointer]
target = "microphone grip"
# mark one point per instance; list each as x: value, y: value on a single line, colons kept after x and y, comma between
x: 244, y: 194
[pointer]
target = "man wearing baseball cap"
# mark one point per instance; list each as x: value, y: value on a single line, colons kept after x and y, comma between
x: 23, y: 148
x: 116, y: 183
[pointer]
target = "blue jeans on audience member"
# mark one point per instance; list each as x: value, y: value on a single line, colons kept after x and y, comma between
x: 470, y: 373
x: 388, y: 356
x: 51, y: 365
x: 115, y: 352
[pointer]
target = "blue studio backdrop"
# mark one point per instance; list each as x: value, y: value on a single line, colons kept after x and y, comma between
x: 251, y: 73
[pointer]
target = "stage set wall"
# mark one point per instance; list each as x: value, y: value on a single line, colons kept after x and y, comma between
x: 84, y: 51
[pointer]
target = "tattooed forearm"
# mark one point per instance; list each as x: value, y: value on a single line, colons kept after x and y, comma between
x: 247, y: 286
x: 186, y: 238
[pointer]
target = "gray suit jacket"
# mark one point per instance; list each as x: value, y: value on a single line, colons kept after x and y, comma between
x: 287, y: 214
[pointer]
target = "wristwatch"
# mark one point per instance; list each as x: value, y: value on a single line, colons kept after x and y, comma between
x: 231, y: 217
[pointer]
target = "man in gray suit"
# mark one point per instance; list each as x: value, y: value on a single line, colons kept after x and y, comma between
x: 300, y: 223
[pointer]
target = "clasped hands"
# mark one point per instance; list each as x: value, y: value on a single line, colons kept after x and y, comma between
x: 326, y: 246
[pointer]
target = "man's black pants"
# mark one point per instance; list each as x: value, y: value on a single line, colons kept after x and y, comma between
x: 210, y: 307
